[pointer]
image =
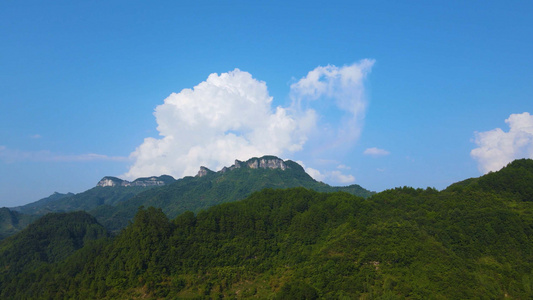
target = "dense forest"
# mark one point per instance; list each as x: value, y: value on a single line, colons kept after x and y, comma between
x: 12, y: 222
x: 471, y: 240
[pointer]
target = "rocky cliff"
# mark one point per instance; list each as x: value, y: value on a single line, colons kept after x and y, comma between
x: 144, y: 182
x: 265, y: 162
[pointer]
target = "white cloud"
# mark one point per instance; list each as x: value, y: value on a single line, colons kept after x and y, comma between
x: 343, y: 167
x: 376, y: 152
x: 342, y: 94
x: 230, y: 116
x: 10, y: 156
x: 497, y: 148
x: 315, y: 174
x: 334, y: 176
x: 342, y: 178
x: 36, y: 136
x: 227, y: 117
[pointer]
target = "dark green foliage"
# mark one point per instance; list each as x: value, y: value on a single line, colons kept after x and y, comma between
x: 297, y: 291
x: 514, y: 180
x: 98, y: 201
x: 12, y: 222
x: 26, y: 256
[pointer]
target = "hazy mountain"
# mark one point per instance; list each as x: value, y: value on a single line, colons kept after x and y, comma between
x: 40, y: 206
x: 108, y: 191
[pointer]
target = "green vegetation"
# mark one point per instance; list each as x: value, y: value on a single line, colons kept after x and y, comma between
x: 470, y: 241
x: 115, y: 207
x: 49, y: 240
x: 198, y: 193
x: 86, y: 201
x: 40, y: 207
x: 12, y: 222
x: 514, y: 181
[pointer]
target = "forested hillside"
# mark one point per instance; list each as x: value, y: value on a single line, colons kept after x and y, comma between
x: 12, y: 222
x: 86, y: 201
x: 114, y: 201
x: 198, y: 193
x: 49, y: 240
x: 514, y: 181
x: 43, y: 206
x: 469, y: 241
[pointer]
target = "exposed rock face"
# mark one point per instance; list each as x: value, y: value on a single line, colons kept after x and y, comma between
x: 265, y: 162
x: 148, y: 181
x: 203, y: 171
x: 110, y: 181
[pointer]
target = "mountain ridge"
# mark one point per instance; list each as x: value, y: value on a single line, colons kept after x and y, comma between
x: 514, y: 180
x: 142, y: 181
x: 209, y: 188
x: 114, y: 201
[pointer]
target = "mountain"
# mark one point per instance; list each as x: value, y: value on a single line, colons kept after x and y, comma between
x: 39, y: 207
x: 467, y: 242
x: 108, y: 191
x: 12, y: 222
x: 114, y: 201
x: 142, y: 182
x: 210, y: 188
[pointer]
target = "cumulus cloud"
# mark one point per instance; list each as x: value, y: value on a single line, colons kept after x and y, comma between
x: 497, y: 148
x: 10, y: 156
x: 376, y: 152
x: 342, y: 178
x: 342, y: 94
x: 227, y: 117
x: 315, y: 174
x: 231, y: 116
x: 335, y: 176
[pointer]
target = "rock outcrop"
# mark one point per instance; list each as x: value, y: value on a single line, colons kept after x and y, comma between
x: 265, y: 162
x: 144, y: 182
x: 203, y: 171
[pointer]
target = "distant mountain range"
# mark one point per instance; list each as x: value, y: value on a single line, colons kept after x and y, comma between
x: 114, y: 201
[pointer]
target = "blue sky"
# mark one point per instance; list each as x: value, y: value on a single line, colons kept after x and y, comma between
x: 80, y: 82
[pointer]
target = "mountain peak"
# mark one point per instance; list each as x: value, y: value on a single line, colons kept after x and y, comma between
x: 267, y: 162
x: 203, y: 171
x: 145, y: 181
x: 264, y: 162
